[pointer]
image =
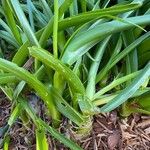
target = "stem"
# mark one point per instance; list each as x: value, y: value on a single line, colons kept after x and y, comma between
x: 55, y: 29
x: 83, y: 5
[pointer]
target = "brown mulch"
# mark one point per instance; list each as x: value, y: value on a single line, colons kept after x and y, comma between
x: 110, y: 132
x: 113, y: 133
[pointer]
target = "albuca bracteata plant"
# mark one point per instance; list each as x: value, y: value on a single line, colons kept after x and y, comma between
x: 80, y: 57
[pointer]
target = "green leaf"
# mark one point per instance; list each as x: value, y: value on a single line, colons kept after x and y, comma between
x: 39, y: 122
x: 128, y: 91
x: 144, y: 101
x: 47, y: 9
x: 18, y: 89
x: 38, y: 15
x: 90, y: 89
x: 41, y: 141
x: 46, y: 32
x: 129, y: 48
x: 5, y: 26
x: 144, y: 58
x: 87, y: 107
x: 7, y: 78
x: 9, y: 38
x: 30, y: 12
x: 121, y: 55
x: 14, y: 115
x: 8, y: 92
x: 24, y: 22
x: 73, y: 8
x: 108, y: 97
x: 57, y: 65
x: 66, y: 109
x: 11, y: 21
x: 61, y: 138
x: 87, y: 16
x: 55, y: 29
x: 32, y: 81
x: 75, y: 48
x: 144, y: 47
x: 6, y: 143
x: 42, y: 35
x: 21, y: 55
x: 115, y: 51
x: 115, y: 83
x: 133, y: 57
x: 50, y: 96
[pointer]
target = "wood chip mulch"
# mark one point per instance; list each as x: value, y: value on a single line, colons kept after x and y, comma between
x: 110, y: 132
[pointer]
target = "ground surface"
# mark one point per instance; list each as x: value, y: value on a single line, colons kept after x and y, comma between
x: 110, y: 132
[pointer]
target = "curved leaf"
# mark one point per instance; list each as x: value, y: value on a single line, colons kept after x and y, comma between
x: 87, y: 16
x: 115, y: 83
x: 128, y: 91
x: 24, y: 22
x: 11, y: 21
x: 90, y: 89
x: 32, y: 81
x: 50, y: 96
x: 46, y: 32
x: 57, y: 65
x: 121, y: 55
x: 48, y: 128
x: 74, y: 49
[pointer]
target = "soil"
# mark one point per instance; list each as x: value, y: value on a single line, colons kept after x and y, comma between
x: 109, y: 132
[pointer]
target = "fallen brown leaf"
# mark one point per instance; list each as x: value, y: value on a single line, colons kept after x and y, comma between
x: 113, y: 140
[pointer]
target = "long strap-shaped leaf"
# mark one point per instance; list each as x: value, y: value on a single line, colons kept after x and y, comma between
x: 9, y: 38
x: 48, y: 128
x: 25, y: 25
x: 128, y: 91
x: 109, y: 97
x: 85, y: 17
x: 11, y: 21
x: 14, y: 115
x: 32, y: 81
x: 6, y: 143
x: 74, y: 49
x: 46, y: 32
x: 121, y: 55
x: 24, y: 22
x: 115, y: 83
x: 5, y: 26
x: 116, y: 50
x: 44, y: 93
x: 42, y: 35
x: 57, y: 65
x: 90, y: 89
x: 66, y: 109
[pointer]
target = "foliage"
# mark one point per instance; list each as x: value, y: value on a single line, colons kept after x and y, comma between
x: 80, y: 57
